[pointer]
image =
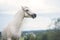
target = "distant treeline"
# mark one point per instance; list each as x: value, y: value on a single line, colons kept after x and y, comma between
x: 35, y: 32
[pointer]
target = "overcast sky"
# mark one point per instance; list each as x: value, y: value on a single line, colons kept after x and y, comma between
x: 44, y: 7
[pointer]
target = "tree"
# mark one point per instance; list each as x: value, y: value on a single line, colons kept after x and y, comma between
x: 57, y: 24
x: 0, y: 36
x: 54, y: 34
x: 44, y: 37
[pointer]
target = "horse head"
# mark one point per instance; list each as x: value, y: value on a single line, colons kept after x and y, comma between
x: 28, y: 12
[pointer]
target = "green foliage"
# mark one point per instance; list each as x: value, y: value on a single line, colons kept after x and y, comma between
x: 47, y: 35
x: 54, y: 35
x: 21, y: 38
x: 29, y: 37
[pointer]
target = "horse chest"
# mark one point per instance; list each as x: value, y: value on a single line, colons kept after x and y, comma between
x: 15, y: 32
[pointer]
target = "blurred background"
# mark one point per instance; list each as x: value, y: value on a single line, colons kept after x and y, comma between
x: 46, y: 26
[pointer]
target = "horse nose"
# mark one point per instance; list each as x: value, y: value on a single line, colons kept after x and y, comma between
x: 33, y: 15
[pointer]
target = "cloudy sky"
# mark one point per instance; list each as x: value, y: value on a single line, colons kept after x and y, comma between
x: 45, y: 10
x: 43, y: 6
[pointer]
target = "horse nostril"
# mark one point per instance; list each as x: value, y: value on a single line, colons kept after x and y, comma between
x: 33, y: 15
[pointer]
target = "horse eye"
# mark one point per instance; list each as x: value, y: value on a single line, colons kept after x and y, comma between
x: 27, y: 10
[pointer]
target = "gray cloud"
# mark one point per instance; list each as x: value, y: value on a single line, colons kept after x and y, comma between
x: 55, y: 3
x: 7, y: 8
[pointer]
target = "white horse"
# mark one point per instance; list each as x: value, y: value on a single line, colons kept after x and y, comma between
x: 12, y: 29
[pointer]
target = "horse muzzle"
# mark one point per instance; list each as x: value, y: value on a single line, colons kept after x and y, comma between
x: 33, y: 16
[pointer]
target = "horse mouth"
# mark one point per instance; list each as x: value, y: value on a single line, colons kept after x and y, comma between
x: 33, y: 16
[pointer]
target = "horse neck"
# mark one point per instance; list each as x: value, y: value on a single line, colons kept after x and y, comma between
x: 18, y: 18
